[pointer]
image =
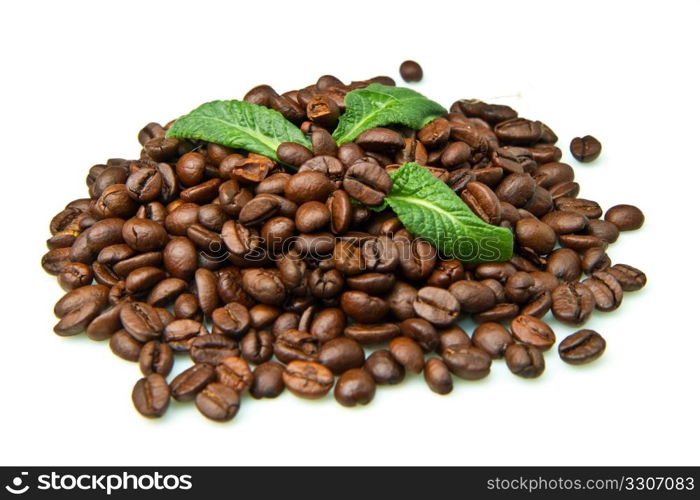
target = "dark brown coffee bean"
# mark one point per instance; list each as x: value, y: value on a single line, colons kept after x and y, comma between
x: 565, y: 222
x: 492, y: 338
x: 411, y: 71
x: 367, y: 182
x: 211, y: 349
x: 452, y: 336
x: 264, y: 285
x: 263, y: 315
x: 606, y: 231
x: 565, y: 264
x: 372, y: 334
x: 606, y: 290
x: 580, y: 242
x: 295, y: 344
x: 437, y: 376
x: 276, y: 234
x: 581, y: 206
x: 341, y: 354
x: 181, y: 333
x: 519, y: 287
x: 572, y: 303
x: 371, y: 283
x: 362, y: 307
x: 205, y: 285
x: 625, y: 217
x: 532, y: 331
x: 435, y: 134
x: 536, y: 235
x: 630, y: 278
x: 218, y: 402
x: 407, y: 353
x: 518, y: 131
x: 74, y: 275
x: 125, y: 346
x: 308, y: 186
x: 328, y: 324
x: 312, y: 216
x: 235, y: 373
x: 156, y: 357
x: 141, y: 320
x: 267, y: 380
x: 436, y: 305
x: 524, y: 360
x: 144, y: 278
x: 586, y: 148
x: 233, y: 319
x: 385, y: 370
x: 144, y: 235
x: 473, y: 296
x: 307, y: 379
x: 151, y: 395
x: 420, y: 331
x: 105, y: 325
x: 166, y: 292
x: 187, y: 307
x: 564, y: 190
x: 354, y: 387
x: 582, y: 347
x: 516, y: 189
x: 257, y: 346
x: 499, y: 312
x: 189, y: 383
x: 340, y: 210
x: 483, y: 202
x: 539, y: 306
x: 54, y: 260
x: 467, y: 362
x: 595, y: 259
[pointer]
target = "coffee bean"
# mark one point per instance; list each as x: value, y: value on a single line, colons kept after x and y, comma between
x: 125, y: 346
x: 606, y: 231
x: 436, y: 305
x: 295, y: 344
x: 625, y: 217
x: 328, y: 324
x: 257, y: 346
x: 582, y: 347
x: 308, y: 186
x: 341, y: 354
x: 372, y: 334
x: 156, y: 357
x: 264, y: 286
x: 519, y: 287
x: 190, y: 169
x: 141, y: 320
x: 606, y: 290
x: 267, y: 380
x: 483, y: 202
x: 532, y: 331
x: 499, y: 312
x: 630, y: 278
x: 524, y: 360
x: 263, y: 315
x: 218, y: 402
x: 539, y: 306
x: 407, y: 353
x: 595, y: 259
x: 586, y: 148
x: 181, y: 333
x: 536, y: 235
x: 492, y: 338
x: 354, y: 387
x: 452, y: 336
x: 467, y: 362
x: 367, y: 182
x: 307, y: 379
x: 213, y: 348
x: 519, y: 131
x: 473, y: 296
x: 362, y: 307
x: 563, y: 222
x: 437, y: 376
x: 420, y: 331
x: 385, y: 370
x: 151, y: 395
x: 189, y: 383
x: 166, y: 291
x: 572, y: 303
x: 235, y: 373
x: 565, y: 264
x: 233, y: 319
x: 187, y: 307
x: 74, y: 275
x: 411, y: 71
x: 144, y: 235
x: 516, y: 189
x: 581, y: 206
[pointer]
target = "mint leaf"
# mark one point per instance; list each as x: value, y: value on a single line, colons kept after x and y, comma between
x: 239, y: 124
x: 378, y: 105
x: 428, y: 208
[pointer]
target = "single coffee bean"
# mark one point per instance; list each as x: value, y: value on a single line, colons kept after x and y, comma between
x: 363, y: 308
x: 263, y: 315
x: 563, y: 222
x: 585, y: 149
x: 580, y: 242
x: 625, y: 217
x: 452, y: 336
x: 187, y: 307
x: 151, y: 395
x: 367, y: 182
x: 141, y: 320
x: 341, y: 354
x: 181, y: 333
x: 582, y: 347
x: 372, y: 334
x: 595, y: 259
x: 492, y: 338
x: 565, y: 264
x: 539, y: 306
x: 125, y: 346
x: 312, y: 216
x: 328, y: 324
x: 295, y: 344
x: 572, y: 303
x: 144, y: 235
x: 325, y: 284
x: 55, y: 260
x: 437, y: 376
x: 233, y: 319
x: 519, y: 287
x: 156, y: 357
x: 408, y: 353
x: 189, y: 383
x: 307, y: 379
x: 166, y: 292
x: 213, y: 348
x: 536, y: 235
x: 524, y: 360
x: 436, y: 305
x: 411, y: 71
x: 446, y: 273
x: 435, y: 134
x: 371, y: 283
x: 190, y: 169
x: 218, y: 402
x: 257, y: 346
x: 354, y: 387
x: 606, y: 290
x: 606, y: 231
x: 267, y: 380
x: 581, y: 206
x: 467, y: 362
x: 264, y: 285
x: 473, y: 296
x: 235, y: 373
x: 483, y: 202
x: 384, y: 368
x: 308, y: 186
x: 499, y: 312
x: 340, y: 209
x: 420, y: 331
x: 532, y: 331
x: 630, y: 278
x: 516, y: 189
x: 144, y: 278
x: 74, y: 275
x: 293, y: 154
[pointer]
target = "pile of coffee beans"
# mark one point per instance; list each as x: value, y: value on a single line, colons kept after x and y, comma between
x: 272, y: 278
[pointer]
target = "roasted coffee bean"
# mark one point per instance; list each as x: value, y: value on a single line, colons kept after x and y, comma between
x: 606, y: 290
x: 411, y: 71
x: 385, y: 370
x: 295, y: 344
x: 187, y: 307
x: 317, y: 246
x: 372, y: 334
x: 156, y: 357
x: 166, y: 291
x: 564, y: 190
x: 371, y: 283
x: 452, y: 336
x: 312, y: 216
x: 55, y: 260
x: 630, y: 278
x: 446, y: 273
x: 467, y: 362
x: 323, y: 143
x: 276, y: 233
x: 74, y: 275
x: 341, y: 354
x: 264, y: 285
x: 625, y: 217
x: 586, y: 148
x: 420, y: 331
x: 580, y: 242
x: 582, y: 347
x: 125, y: 346
x: 233, y: 319
x: 492, y: 338
x: 572, y: 303
x: 518, y: 131
x: 417, y: 258
x: 144, y: 235
x: 539, y: 306
x: 218, y: 402
x: 456, y: 155
x: 141, y: 320
x: 254, y: 168
x: 437, y: 376
x: 532, y: 331
x: 363, y: 308
x: 524, y: 360
x: 179, y: 220
x: 473, y: 296
x: 606, y: 231
x: 563, y: 222
x: 340, y: 210
x: 367, y: 182
x: 267, y: 380
x: 151, y: 395
x: 263, y: 207
x: 408, y: 353
x: 380, y: 140
x: 293, y: 154
x: 435, y: 134
x: 325, y: 284
x: 189, y: 383
x: 401, y: 300
x: 483, y: 202
x: 436, y: 305
x: 235, y: 373
x: 272, y: 184
x: 263, y: 315
x: 308, y: 186
x: 516, y: 189
x: 536, y: 235
x: 565, y: 264
x: 328, y: 324
x: 581, y: 206
x: 323, y: 111
x: 595, y: 259
x: 260, y: 95
x: 190, y: 169
x: 181, y: 333
x: 105, y: 325
x: 307, y: 379
x: 519, y: 287
x: 211, y: 349
x: 144, y: 278
x: 354, y: 387
x: 205, y: 285
x: 257, y: 346
x: 233, y: 198
x: 499, y: 312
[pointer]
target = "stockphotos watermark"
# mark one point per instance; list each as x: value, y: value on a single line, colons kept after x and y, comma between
x: 106, y: 483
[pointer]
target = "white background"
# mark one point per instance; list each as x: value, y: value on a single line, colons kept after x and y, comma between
x: 80, y: 79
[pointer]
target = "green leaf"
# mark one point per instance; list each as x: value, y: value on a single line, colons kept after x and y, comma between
x: 239, y: 124
x: 428, y: 208
x: 378, y: 105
